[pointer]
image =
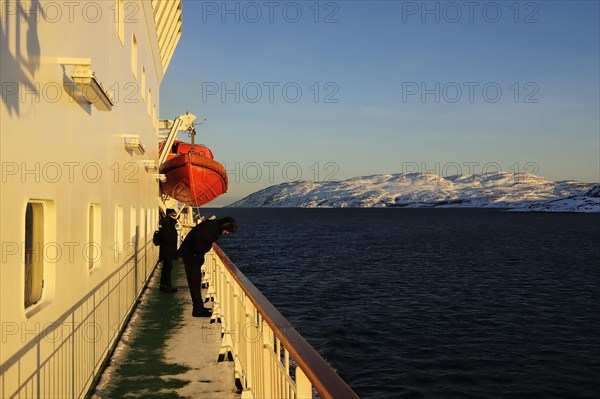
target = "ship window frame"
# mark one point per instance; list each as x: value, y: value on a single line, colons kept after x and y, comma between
x: 142, y: 229
x: 134, y: 55
x: 33, y: 281
x: 132, y: 224
x: 149, y: 223
x: 94, y: 237
x: 119, y: 231
x: 143, y: 83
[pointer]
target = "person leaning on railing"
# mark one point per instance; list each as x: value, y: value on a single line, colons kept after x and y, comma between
x: 198, y: 242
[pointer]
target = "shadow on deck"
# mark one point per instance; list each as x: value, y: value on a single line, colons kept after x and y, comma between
x: 166, y: 353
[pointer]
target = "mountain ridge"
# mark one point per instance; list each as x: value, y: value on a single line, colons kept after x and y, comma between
x: 516, y: 191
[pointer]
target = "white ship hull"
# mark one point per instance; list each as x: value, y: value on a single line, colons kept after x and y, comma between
x: 79, y: 191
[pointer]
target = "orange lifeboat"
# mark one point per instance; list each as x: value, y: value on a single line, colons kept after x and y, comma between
x: 193, y: 177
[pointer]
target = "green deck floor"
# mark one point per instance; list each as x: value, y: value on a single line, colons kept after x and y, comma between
x: 166, y: 353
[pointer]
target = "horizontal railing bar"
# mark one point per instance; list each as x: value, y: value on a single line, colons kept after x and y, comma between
x: 64, y: 343
x: 73, y: 332
x: 9, y: 362
x: 324, y: 379
x: 111, y: 350
x: 280, y: 367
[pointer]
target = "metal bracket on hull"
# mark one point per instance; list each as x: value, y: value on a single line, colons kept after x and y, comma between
x: 150, y: 165
x: 133, y: 145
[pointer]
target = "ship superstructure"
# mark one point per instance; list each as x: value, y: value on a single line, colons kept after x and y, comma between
x: 79, y: 137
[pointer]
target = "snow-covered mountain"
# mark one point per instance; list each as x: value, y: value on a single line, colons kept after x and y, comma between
x: 594, y: 191
x: 517, y: 191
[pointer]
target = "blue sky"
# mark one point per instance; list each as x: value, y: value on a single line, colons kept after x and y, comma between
x: 334, y: 90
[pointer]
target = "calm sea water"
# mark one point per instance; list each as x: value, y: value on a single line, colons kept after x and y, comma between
x: 435, y: 303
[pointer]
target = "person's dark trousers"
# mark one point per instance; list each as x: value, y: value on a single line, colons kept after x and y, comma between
x: 193, y: 273
x: 165, y: 274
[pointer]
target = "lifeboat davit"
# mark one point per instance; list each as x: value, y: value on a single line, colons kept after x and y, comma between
x: 193, y: 177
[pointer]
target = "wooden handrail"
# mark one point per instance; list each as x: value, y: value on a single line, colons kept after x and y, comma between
x: 324, y: 379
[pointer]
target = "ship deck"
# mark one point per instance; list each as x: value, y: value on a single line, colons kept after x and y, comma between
x: 165, y: 352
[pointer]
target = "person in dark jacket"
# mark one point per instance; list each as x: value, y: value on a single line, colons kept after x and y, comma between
x: 198, y: 242
x: 168, y: 249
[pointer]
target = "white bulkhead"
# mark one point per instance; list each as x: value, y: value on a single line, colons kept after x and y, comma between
x: 78, y: 127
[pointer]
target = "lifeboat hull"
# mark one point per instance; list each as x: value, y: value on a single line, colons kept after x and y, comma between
x: 193, y: 179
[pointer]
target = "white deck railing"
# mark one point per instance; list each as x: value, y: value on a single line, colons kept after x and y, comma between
x: 271, y: 359
x: 66, y: 356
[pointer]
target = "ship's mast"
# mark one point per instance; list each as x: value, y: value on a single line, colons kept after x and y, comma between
x: 192, y: 133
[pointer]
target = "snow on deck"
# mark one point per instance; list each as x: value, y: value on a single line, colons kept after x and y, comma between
x: 166, y: 353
